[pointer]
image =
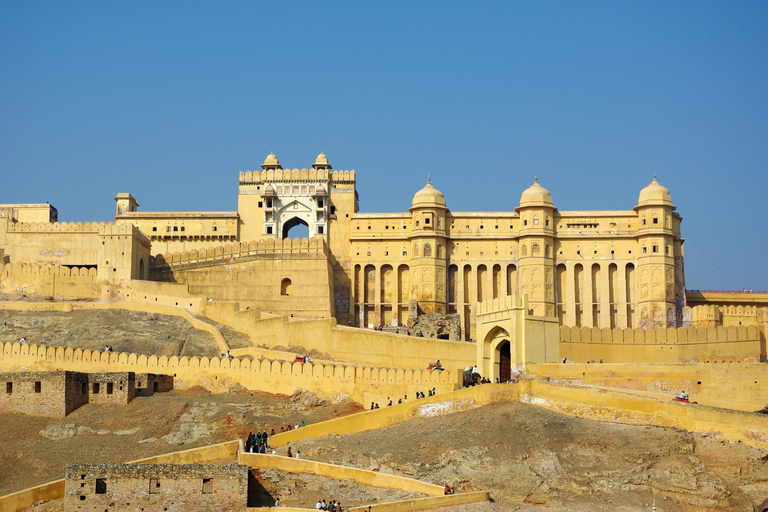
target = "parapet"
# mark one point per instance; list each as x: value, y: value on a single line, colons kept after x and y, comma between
x: 271, y: 175
x: 239, y: 250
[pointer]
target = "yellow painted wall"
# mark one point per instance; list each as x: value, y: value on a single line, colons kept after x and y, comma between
x: 734, y: 386
x: 362, y: 476
x: 61, y: 283
x: 683, y: 345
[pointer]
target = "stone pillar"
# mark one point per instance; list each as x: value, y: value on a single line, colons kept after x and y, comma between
x: 605, y: 293
x: 377, y: 296
x: 621, y: 285
x: 570, y: 294
x: 489, y: 281
x: 588, y: 299
x: 504, y: 281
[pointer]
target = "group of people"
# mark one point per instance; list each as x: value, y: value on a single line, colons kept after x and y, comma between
x: 286, y: 428
x: 258, y: 443
x: 290, y: 453
x: 333, y: 506
x: 419, y: 394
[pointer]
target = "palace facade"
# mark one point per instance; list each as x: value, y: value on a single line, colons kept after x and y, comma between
x: 606, y: 269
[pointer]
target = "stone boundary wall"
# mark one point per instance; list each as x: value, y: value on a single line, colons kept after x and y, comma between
x: 264, y: 246
x: 430, y: 503
x: 681, y: 345
x: 49, y: 281
x: 731, y: 386
x: 579, y: 401
x: 361, y: 476
x: 362, y: 384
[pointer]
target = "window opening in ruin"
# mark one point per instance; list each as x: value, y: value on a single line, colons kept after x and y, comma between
x: 154, y: 485
x: 9, y: 387
x: 101, y: 486
x: 110, y: 388
x: 95, y: 388
x: 207, y: 485
x: 82, y: 498
x: 38, y: 387
x: 285, y: 287
x: 154, y: 387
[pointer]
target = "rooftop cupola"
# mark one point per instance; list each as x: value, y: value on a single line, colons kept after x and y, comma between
x: 271, y: 162
x: 536, y: 195
x: 428, y: 197
x: 321, y: 162
x: 654, y: 194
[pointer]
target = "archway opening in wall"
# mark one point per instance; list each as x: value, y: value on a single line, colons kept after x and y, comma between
x: 285, y: 287
x: 505, y: 361
x: 296, y: 228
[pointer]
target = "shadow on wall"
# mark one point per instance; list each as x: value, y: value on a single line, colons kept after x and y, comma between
x: 258, y: 495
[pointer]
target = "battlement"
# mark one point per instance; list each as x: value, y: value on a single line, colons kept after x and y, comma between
x: 17, y: 269
x: 239, y: 250
x: 297, y: 175
x: 56, y: 227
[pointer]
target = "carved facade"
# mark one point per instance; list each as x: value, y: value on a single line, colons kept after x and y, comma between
x: 607, y: 269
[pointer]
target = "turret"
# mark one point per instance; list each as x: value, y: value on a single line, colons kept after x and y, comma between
x: 659, y: 243
x: 535, y: 244
x: 428, y: 249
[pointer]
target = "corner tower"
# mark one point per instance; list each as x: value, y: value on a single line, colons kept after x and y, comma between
x: 660, y: 288
x: 536, y: 249
x: 428, y: 249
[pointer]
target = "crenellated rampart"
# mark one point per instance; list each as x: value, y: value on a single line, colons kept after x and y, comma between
x: 681, y: 345
x: 361, y: 383
x: 264, y: 246
x: 55, y: 281
x: 297, y: 175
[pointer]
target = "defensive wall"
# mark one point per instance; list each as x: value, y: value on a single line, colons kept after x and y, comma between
x: 284, y: 276
x: 732, y: 386
x: 361, y: 476
x: 579, y: 401
x: 363, y: 384
x: 681, y: 345
x: 62, y: 283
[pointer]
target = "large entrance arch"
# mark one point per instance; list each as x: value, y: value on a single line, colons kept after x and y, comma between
x: 294, y: 222
x: 497, y: 355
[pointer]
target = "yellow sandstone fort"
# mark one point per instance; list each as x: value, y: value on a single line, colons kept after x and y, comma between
x: 584, y: 281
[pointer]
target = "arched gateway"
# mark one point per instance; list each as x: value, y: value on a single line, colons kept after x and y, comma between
x: 510, y: 336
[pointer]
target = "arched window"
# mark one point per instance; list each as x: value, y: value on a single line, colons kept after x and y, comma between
x: 439, y: 251
x: 427, y: 251
x: 535, y: 250
x: 524, y: 251
x: 285, y: 287
x: 415, y: 250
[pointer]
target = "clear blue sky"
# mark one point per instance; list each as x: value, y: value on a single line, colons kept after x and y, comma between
x: 170, y: 100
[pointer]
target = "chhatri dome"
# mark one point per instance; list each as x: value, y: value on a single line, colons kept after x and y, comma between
x: 536, y: 195
x: 654, y: 194
x: 271, y: 162
x: 321, y: 162
x: 429, y: 196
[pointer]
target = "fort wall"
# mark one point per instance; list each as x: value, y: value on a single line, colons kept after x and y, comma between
x: 290, y: 276
x: 361, y: 476
x: 61, y: 283
x: 731, y: 386
x: 363, y: 384
x: 682, y: 345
